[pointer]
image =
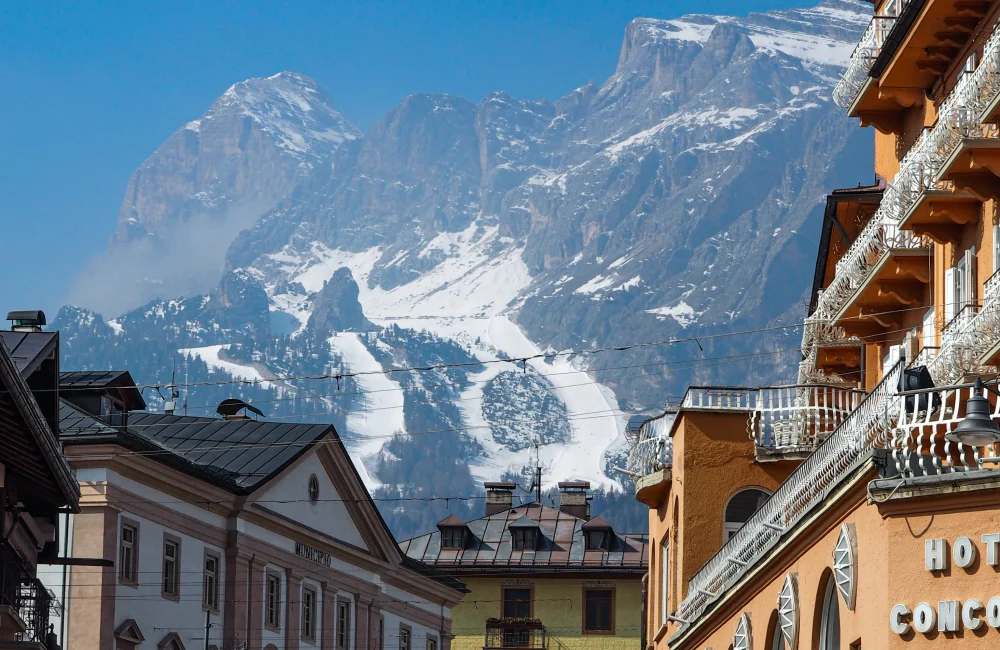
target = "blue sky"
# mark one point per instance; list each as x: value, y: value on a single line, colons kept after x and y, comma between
x: 89, y: 90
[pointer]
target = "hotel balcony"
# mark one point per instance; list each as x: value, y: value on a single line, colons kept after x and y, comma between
x: 929, y: 195
x: 858, y: 434
x: 785, y: 423
x: 507, y: 633
x: 900, y: 57
x: 894, y: 272
x: 970, y: 342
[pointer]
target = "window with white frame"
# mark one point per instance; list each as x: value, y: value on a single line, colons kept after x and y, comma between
x: 210, y: 582
x: 272, y: 600
x: 343, y: 624
x: 308, y: 613
x: 959, y: 286
x: 927, y: 333
x: 405, y: 637
x: 171, y: 566
x: 128, y: 553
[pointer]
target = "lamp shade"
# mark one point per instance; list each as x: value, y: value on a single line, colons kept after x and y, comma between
x: 977, y: 429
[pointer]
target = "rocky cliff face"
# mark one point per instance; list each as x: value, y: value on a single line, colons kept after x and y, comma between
x: 680, y: 197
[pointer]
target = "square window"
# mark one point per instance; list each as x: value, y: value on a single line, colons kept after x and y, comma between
x: 524, y: 539
x: 452, y: 537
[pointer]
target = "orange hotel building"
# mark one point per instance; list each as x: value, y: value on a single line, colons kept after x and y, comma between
x: 863, y: 508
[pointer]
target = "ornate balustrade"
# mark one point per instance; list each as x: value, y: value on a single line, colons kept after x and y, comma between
x: 800, y: 417
x: 862, y: 59
x: 923, y: 419
x: 652, y: 451
x: 959, y: 118
x: 867, y: 427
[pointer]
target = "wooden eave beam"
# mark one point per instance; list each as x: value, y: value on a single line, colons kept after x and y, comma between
x: 939, y: 233
x: 977, y: 8
x: 885, y: 122
x: 880, y: 314
x: 984, y: 186
x: 942, y: 52
x: 962, y: 23
x: 907, y: 292
x: 985, y: 159
x: 937, y: 68
x: 913, y: 266
x: 958, y: 212
x: 953, y: 38
x: 867, y: 331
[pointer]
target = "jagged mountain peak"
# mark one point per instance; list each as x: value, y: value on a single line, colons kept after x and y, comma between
x: 293, y: 108
x: 822, y: 35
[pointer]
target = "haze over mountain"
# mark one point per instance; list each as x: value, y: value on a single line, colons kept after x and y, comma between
x: 682, y: 196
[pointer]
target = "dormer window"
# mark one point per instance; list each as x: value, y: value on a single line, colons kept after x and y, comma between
x: 453, y: 532
x: 597, y: 534
x: 524, y: 534
x: 597, y: 540
x: 524, y: 539
x: 452, y: 537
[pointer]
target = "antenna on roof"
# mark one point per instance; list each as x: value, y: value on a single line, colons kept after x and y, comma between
x: 538, y: 474
x: 170, y: 405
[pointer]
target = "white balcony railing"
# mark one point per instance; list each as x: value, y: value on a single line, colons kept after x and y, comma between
x: 959, y: 118
x: 653, y: 447
x: 919, y: 447
x: 800, y: 417
x: 779, y: 419
x: 867, y: 427
x: 862, y: 59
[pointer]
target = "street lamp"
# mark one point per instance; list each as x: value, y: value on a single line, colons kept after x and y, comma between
x: 977, y: 429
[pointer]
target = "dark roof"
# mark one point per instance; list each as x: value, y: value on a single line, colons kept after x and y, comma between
x: 87, y: 380
x: 28, y: 445
x: 597, y: 523
x: 895, y: 37
x: 239, y: 455
x: 499, y: 485
x: 860, y: 194
x: 35, y: 316
x: 452, y: 521
x: 581, y: 485
x: 561, y: 546
x: 523, y: 522
x: 29, y: 349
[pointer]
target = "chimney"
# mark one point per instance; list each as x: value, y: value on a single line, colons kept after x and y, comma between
x: 26, y: 321
x: 499, y: 497
x: 573, y: 498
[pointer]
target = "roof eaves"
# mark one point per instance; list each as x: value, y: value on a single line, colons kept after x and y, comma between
x: 43, y: 435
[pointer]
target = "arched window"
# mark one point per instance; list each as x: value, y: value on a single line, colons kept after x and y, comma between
x: 829, y: 620
x: 739, y: 508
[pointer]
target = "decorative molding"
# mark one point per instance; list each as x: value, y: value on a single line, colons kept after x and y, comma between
x: 845, y: 564
x: 743, y: 638
x: 788, y: 611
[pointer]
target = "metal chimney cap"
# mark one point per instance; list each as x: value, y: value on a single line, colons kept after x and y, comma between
x: 36, y: 317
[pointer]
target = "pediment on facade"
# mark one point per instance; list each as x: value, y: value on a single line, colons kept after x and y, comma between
x: 129, y: 632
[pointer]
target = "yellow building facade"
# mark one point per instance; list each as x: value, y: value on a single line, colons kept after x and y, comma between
x: 538, y: 576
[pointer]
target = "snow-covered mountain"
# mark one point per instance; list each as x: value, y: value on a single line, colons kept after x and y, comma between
x: 680, y: 197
